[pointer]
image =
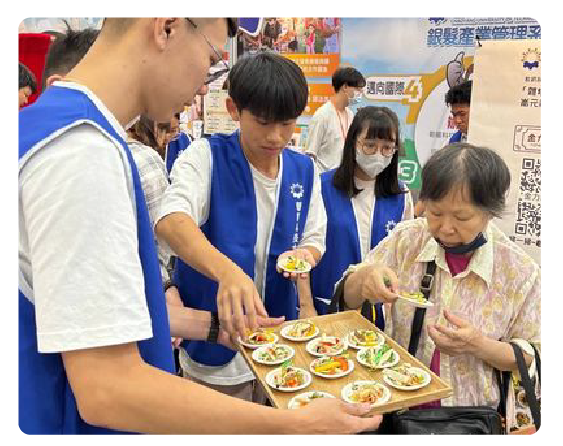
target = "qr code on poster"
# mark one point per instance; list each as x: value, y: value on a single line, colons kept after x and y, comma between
x: 528, y: 221
x: 530, y: 178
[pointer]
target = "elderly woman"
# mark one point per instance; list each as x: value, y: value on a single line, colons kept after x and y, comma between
x: 486, y: 290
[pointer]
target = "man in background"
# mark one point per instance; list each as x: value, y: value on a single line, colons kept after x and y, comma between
x: 329, y: 125
x: 27, y: 84
x: 458, y: 98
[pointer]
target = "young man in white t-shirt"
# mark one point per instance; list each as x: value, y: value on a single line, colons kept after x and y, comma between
x: 86, y: 254
x: 252, y: 202
x: 329, y: 125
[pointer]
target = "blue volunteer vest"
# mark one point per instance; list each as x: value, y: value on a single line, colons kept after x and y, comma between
x: 231, y: 228
x: 46, y: 402
x: 174, y: 148
x: 456, y: 137
x: 343, y: 242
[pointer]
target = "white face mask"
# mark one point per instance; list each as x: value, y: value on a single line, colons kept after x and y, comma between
x: 372, y: 165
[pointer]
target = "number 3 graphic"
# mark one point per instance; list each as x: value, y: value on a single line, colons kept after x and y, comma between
x: 407, y: 171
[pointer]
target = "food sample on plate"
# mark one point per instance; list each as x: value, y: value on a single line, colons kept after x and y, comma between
x: 405, y: 376
x: 416, y: 297
x: 293, y: 264
x: 326, y: 345
x: 365, y: 338
x: 305, y: 398
x: 259, y: 338
x: 273, y: 354
x: 332, y: 366
x: 378, y: 357
x: 288, y: 377
x: 301, y: 329
x: 366, y: 392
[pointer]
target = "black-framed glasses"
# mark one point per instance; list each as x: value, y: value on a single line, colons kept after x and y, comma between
x: 211, y: 77
x: 371, y: 146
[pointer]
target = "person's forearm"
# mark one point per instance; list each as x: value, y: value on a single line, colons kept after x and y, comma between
x: 497, y: 354
x: 305, y: 296
x: 190, y: 244
x: 148, y: 400
x: 353, y: 289
x: 188, y: 323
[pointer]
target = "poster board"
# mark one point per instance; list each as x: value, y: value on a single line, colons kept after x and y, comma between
x: 508, y: 120
x: 216, y: 116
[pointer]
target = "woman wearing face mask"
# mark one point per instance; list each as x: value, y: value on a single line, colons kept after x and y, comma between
x: 485, y: 291
x: 364, y: 201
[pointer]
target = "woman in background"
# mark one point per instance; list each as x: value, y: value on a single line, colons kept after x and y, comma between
x: 364, y: 201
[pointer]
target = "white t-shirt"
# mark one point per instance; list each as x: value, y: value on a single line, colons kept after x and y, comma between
x: 190, y: 191
x: 78, y: 250
x: 363, y: 205
x: 327, y: 132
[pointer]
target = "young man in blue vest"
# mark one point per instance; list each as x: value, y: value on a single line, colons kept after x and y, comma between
x: 94, y: 338
x: 238, y: 202
x: 458, y: 98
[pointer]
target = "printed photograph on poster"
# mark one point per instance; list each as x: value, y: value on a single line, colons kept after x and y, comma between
x: 312, y: 43
x: 293, y: 35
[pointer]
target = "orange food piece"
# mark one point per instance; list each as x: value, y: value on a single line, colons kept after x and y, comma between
x: 343, y: 363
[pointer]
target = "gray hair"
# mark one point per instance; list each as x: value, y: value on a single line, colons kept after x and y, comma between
x: 480, y: 170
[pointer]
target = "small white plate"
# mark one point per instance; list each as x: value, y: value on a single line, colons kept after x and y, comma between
x: 256, y: 354
x: 414, y: 303
x: 310, y: 347
x: 385, y: 365
x: 324, y: 375
x: 349, y: 389
x: 283, y: 262
x: 285, y: 330
x: 427, y: 379
x: 380, y: 341
x: 253, y: 346
x: 294, y: 402
x: 270, y: 380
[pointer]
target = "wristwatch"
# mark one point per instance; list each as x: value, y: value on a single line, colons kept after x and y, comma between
x: 213, y: 328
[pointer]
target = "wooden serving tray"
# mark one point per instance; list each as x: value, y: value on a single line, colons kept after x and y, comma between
x: 340, y: 324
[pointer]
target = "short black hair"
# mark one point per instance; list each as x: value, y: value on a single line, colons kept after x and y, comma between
x: 232, y: 26
x: 67, y: 50
x: 26, y: 78
x: 382, y: 123
x: 481, y: 171
x: 459, y: 94
x: 347, y: 76
x: 269, y: 86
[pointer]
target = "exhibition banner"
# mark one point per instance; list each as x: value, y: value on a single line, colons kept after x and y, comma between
x: 411, y: 63
x: 508, y: 120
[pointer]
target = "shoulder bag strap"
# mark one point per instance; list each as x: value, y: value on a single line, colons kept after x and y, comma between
x: 425, y: 288
x: 528, y: 387
x: 337, y: 301
x: 538, y: 362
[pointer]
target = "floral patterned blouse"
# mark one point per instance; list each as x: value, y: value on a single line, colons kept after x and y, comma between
x: 499, y: 293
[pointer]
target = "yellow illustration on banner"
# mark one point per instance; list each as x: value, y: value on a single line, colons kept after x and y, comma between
x: 413, y: 90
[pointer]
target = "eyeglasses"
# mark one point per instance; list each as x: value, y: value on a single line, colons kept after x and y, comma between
x: 371, y: 146
x: 211, y: 77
